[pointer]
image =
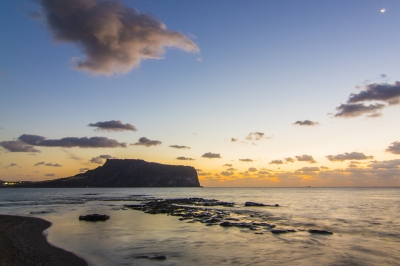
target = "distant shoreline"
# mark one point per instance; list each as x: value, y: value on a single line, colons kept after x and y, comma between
x: 22, y: 243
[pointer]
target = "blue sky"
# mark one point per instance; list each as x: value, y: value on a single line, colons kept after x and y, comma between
x: 260, y: 67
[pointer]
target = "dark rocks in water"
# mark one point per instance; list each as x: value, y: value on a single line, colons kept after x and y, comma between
x: 156, y: 257
x: 226, y: 224
x: 282, y: 231
x: 249, y: 203
x: 255, y: 204
x: 94, y: 217
x: 317, y: 231
x: 159, y: 257
x: 127, y: 173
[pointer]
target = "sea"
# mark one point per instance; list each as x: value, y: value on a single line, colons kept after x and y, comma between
x: 365, y: 223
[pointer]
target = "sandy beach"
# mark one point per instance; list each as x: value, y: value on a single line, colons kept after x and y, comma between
x: 22, y: 243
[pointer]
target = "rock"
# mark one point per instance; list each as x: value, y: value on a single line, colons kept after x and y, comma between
x: 160, y: 257
x: 282, y: 231
x: 317, y: 231
x: 225, y: 224
x: 127, y: 173
x: 94, y: 217
x: 254, y: 204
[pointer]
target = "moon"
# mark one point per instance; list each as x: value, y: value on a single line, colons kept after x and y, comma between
x: 383, y: 10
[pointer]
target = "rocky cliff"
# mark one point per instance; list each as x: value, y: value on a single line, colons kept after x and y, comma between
x: 129, y: 173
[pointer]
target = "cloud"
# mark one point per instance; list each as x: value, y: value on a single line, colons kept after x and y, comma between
x: 305, y: 158
x: 225, y: 173
x: 394, y: 148
x: 69, y: 142
x: 390, y: 164
x: 309, y: 169
x: 354, y: 110
x: 348, y: 156
x: 245, y: 160
x: 231, y: 169
x: 252, y: 169
x: 211, y: 155
x: 146, y: 142
x: 227, y: 165
x: 204, y: 174
x: 184, y: 158
x: 179, y: 147
x: 17, y: 146
x: 255, y: 136
x: 382, y: 92
x: 113, y: 125
x: 289, y: 160
x: 13, y: 165
x: 276, y: 162
x: 100, y: 159
x: 263, y: 172
x: 306, y: 123
x: 82, y: 170
x: 378, y: 92
x: 48, y: 164
x: 233, y: 139
x: 115, y: 38
x: 49, y: 175
x: 71, y: 155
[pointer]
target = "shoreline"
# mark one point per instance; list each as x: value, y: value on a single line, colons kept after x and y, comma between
x: 22, y: 243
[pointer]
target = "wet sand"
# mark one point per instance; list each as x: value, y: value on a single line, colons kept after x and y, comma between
x: 22, y: 243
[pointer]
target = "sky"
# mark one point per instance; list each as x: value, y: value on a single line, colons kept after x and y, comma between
x: 250, y: 93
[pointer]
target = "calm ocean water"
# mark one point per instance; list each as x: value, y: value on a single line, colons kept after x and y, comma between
x: 365, y: 223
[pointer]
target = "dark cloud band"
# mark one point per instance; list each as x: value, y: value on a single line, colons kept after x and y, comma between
x: 113, y: 125
x: 69, y: 142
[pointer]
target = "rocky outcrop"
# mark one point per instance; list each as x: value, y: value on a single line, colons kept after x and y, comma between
x: 129, y: 173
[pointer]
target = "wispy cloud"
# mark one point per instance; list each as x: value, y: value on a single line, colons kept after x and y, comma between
x: 13, y: 165
x: 306, y: 123
x: 179, y: 147
x: 255, y: 136
x: 48, y: 164
x: 17, y: 146
x: 309, y: 169
x: 234, y: 140
x: 113, y: 125
x: 247, y: 160
x: 184, y: 158
x: 348, y: 156
x: 252, y: 169
x: 49, y: 175
x: 71, y: 155
x: 69, y: 142
x: 143, y: 141
x: 211, y: 155
x: 82, y: 170
x: 115, y: 38
x: 227, y: 165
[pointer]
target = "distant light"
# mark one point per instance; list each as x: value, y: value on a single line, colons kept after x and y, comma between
x: 383, y: 10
